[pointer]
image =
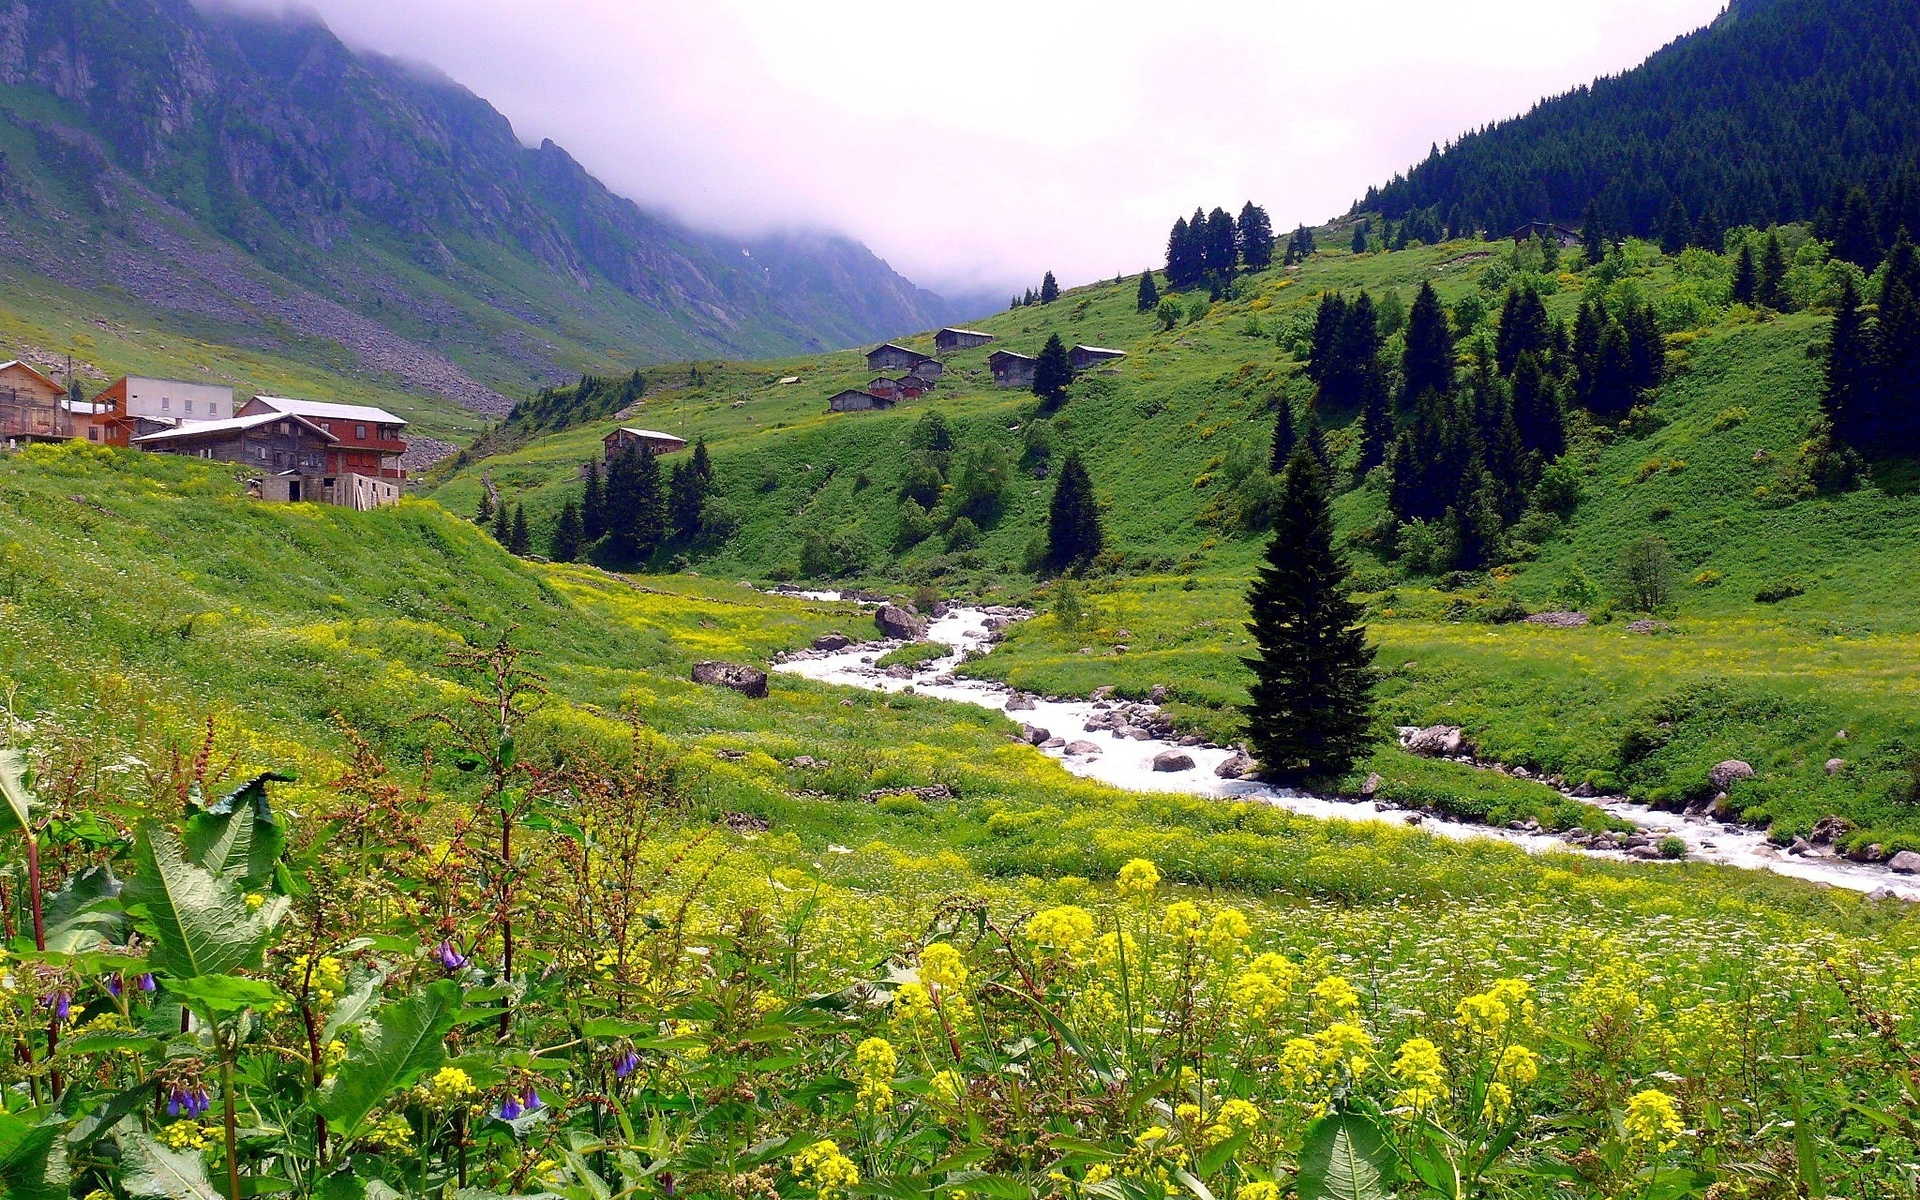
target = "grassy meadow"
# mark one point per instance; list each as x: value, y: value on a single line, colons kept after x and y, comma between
x: 1787, y: 642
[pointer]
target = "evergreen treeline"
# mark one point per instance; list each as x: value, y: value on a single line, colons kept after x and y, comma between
x: 1762, y: 118
x: 628, y: 512
x: 594, y: 398
x: 1047, y: 293
x: 1210, y: 247
x: 1872, y: 393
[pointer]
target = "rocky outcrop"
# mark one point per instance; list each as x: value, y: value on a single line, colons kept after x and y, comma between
x: 748, y: 681
x: 830, y: 642
x: 1439, y: 741
x: 1558, y: 620
x: 901, y: 621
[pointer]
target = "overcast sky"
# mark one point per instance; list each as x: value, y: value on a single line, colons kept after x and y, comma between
x: 975, y: 145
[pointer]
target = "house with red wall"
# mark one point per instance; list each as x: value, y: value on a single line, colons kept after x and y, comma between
x: 367, y: 440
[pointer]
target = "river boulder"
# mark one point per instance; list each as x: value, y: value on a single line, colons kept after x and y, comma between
x: 1020, y: 702
x: 1724, y: 773
x: 1174, y: 760
x: 1440, y: 741
x: 1033, y: 735
x: 1905, y: 863
x: 901, y: 621
x: 1236, y: 765
x: 832, y: 641
x: 748, y: 681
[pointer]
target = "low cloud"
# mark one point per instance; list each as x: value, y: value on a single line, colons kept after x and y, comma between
x: 977, y: 146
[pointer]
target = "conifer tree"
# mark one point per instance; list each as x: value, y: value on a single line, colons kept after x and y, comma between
x: 649, y: 504
x: 1329, y: 320
x: 483, y: 514
x: 566, y: 533
x: 1746, y: 279
x: 1525, y: 328
x: 593, y: 519
x: 1593, y: 237
x: 685, y: 494
x: 1147, y: 298
x: 1772, y: 289
x: 1310, y: 707
x: 1537, y: 414
x: 1897, y: 353
x: 517, y: 540
x: 1177, y: 254
x: 1073, y: 520
x: 1222, y: 250
x: 1376, y: 426
x: 1706, y: 232
x: 1255, y: 231
x: 1856, y: 233
x: 1049, y: 289
x: 1589, y: 324
x: 502, y: 524
x: 1849, y: 396
x: 621, y: 507
x: 1427, y: 362
x: 703, y: 465
x: 1676, y: 228
x: 1646, y: 349
x: 1613, y: 390
x: 1359, y: 245
x: 1284, y: 438
x: 1052, y: 373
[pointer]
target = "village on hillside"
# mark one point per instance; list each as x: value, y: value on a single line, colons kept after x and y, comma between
x: 924, y: 371
x: 302, y: 450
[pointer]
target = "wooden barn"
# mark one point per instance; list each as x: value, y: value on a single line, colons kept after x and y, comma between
x: 912, y: 387
x: 950, y: 340
x: 855, y: 400
x: 32, y: 407
x: 1085, y: 357
x: 277, y: 443
x: 889, y: 357
x: 884, y: 388
x: 1547, y: 231
x: 660, y: 443
x: 1010, y: 369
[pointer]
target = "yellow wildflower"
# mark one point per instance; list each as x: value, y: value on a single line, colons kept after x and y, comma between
x: 947, y: 1087
x: 1299, y: 1064
x: 183, y: 1135
x: 877, y: 1061
x: 1651, y: 1120
x: 1334, y: 999
x: 1112, y: 947
x: 448, y: 1087
x: 1228, y: 932
x: 1420, y: 1073
x: 1498, y: 1104
x: 1518, y: 1067
x: 942, y: 967
x: 255, y: 899
x: 1259, y: 1189
x: 1137, y: 879
x: 1485, y: 1014
x: 1277, y: 967
x: 1181, y: 920
x: 1343, y: 1043
x: 391, y: 1132
x: 1064, y: 931
x: 822, y: 1167
x: 1098, y: 1173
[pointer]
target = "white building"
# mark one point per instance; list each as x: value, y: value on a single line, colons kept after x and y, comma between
x: 172, y: 401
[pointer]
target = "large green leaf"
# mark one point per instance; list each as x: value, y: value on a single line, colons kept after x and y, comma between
x: 33, y: 1160
x: 225, y: 994
x: 150, y: 1169
x: 201, y: 922
x: 238, y: 835
x: 406, y: 1040
x: 1344, y: 1158
x: 84, y: 915
x: 16, y: 815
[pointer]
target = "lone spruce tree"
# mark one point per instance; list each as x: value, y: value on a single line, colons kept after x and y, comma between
x: 1049, y: 289
x: 566, y: 533
x: 1073, y: 521
x: 1052, y: 373
x: 518, y: 540
x: 1148, y: 297
x: 1311, y: 704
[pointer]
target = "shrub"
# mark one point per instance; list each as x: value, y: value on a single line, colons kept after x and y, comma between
x: 1780, y: 589
x: 1707, y: 578
x: 1646, y: 574
x: 1729, y: 418
x: 832, y: 555
x: 963, y: 535
x: 1672, y: 847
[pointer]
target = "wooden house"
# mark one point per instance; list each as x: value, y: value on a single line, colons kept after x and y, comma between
x: 884, y: 388
x: 1547, y: 231
x: 912, y: 387
x: 1010, y: 369
x: 889, y: 357
x: 33, y: 408
x: 928, y: 368
x: 273, y: 443
x: 367, y: 440
x: 855, y: 400
x: 1084, y: 357
x: 950, y: 340
x: 659, y: 443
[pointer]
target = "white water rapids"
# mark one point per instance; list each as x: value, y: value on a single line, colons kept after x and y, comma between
x: 1126, y: 761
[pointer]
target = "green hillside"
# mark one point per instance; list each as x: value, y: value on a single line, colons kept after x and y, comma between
x: 1176, y: 440
x: 149, y: 605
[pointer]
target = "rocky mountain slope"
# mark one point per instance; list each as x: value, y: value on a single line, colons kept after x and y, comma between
x: 253, y: 180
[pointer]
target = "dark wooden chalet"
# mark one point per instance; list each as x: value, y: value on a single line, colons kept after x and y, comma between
x: 1084, y: 357
x: 855, y: 400
x: 1010, y: 369
x: 950, y: 340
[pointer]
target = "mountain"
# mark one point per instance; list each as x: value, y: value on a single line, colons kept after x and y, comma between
x: 249, y: 177
x: 1756, y: 118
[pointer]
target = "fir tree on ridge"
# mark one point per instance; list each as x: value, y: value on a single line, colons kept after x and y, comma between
x: 1049, y: 289
x: 1427, y: 362
x: 1284, y: 437
x: 518, y: 541
x: 1147, y: 298
x: 1310, y: 707
x: 1255, y: 231
x: 1746, y: 278
x: 1052, y: 373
